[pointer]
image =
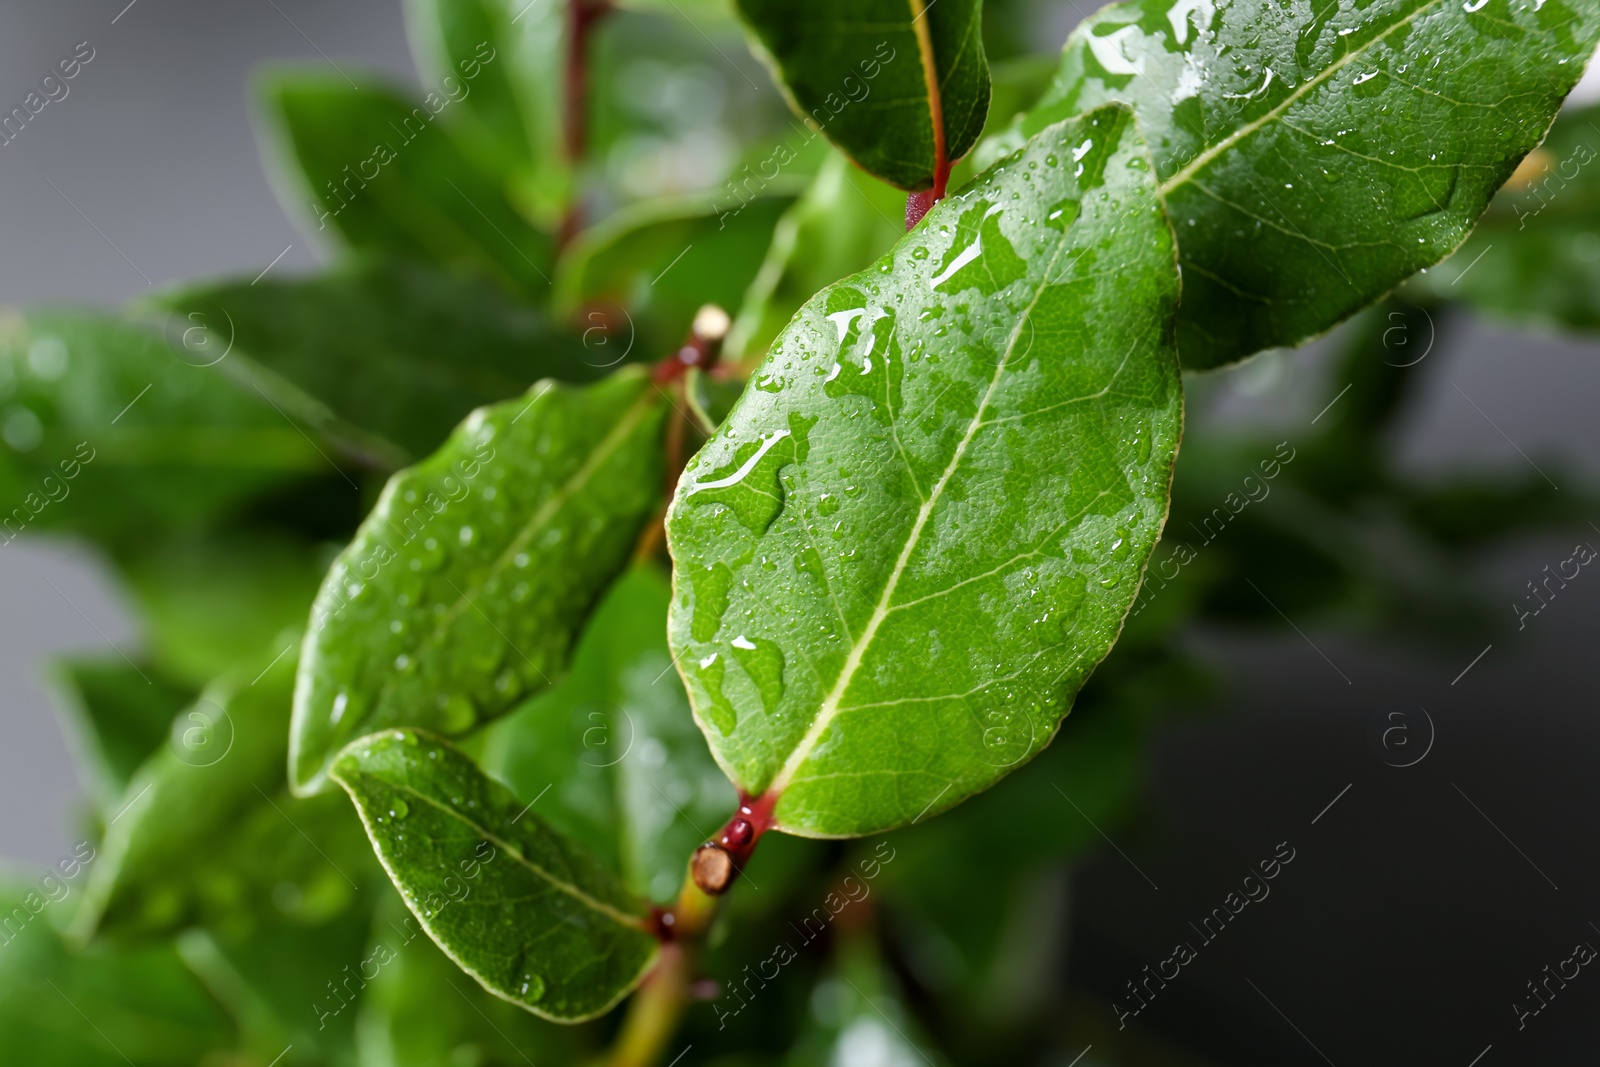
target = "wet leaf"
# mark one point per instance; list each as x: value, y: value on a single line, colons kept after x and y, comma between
x: 924, y: 521
x: 122, y: 713
x: 659, y: 263
x: 161, y: 865
x: 383, y: 355
x: 383, y: 172
x: 108, y: 432
x: 902, y: 88
x: 1535, y: 258
x: 144, y: 1005
x: 465, y: 588
x: 1313, y: 157
x: 844, y: 221
x: 611, y: 755
x: 533, y: 916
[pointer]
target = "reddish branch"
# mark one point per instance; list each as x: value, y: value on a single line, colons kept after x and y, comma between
x: 718, y: 862
x: 582, y: 15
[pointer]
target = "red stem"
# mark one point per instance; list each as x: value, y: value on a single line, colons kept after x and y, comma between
x: 719, y: 861
x: 920, y: 203
x: 581, y: 17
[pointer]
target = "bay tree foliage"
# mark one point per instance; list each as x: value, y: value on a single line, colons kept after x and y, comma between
x: 510, y: 581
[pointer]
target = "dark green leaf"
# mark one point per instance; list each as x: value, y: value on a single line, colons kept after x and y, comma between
x: 387, y: 356
x: 1312, y: 157
x: 465, y: 588
x: 211, y: 602
x: 534, y: 917
x: 106, y: 432
x: 1535, y: 257
x: 616, y: 748
x: 901, y: 87
x: 660, y: 262
x: 122, y: 712
x: 380, y: 170
x: 843, y: 222
x: 421, y: 1011
x: 197, y: 832
x: 922, y: 525
x: 101, y: 1008
x: 506, y: 57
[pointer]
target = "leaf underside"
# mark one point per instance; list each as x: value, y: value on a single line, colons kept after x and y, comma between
x: 921, y: 527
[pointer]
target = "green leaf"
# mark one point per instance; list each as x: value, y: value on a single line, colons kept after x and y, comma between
x: 922, y: 525
x: 141, y: 1006
x: 211, y: 602
x: 660, y: 262
x: 1535, y: 257
x: 378, y: 168
x: 465, y: 588
x: 1311, y: 158
x: 845, y: 221
x: 187, y: 843
x: 106, y: 432
x: 616, y: 748
x: 506, y: 58
x: 386, y: 356
x: 901, y: 86
x: 122, y: 713
x: 421, y: 1011
x: 548, y: 927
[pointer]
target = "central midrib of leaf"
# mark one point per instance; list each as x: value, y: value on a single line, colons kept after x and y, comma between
x: 540, y: 518
x: 1200, y: 161
x: 858, y: 650
x: 516, y: 852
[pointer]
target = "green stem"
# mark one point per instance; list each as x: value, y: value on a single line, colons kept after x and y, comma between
x: 653, y: 1013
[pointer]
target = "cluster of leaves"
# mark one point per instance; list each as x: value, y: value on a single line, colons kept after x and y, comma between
x: 931, y: 471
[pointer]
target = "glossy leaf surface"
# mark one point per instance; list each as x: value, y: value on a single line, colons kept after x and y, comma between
x: 1535, y: 257
x: 923, y: 523
x: 382, y: 171
x: 186, y: 844
x: 616, y: 748
x: 843, y: 222
x: 108, y: 431
x: 531, y: 915
x: 1314, y: 156
x: 465, y: 588
x: 384, y: 354
x: 901, y: 86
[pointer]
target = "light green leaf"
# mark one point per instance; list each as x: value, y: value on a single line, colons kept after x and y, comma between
x: 1535, y: 257
x: 1312, y: 157
x: 922, y: 525
x: 144, y: 1005
x: 660, y: 262
x: 615, y: 747
x: 106, y: 432
x: 845, y: 221
x: 901, y: 86
x: 465, y: 588
x: 532, y: 916
x: 121, y: 713
x: 386, y: 356
x: 380, y: 170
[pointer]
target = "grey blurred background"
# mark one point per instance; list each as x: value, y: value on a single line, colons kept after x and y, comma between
x: 1425, y: 897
